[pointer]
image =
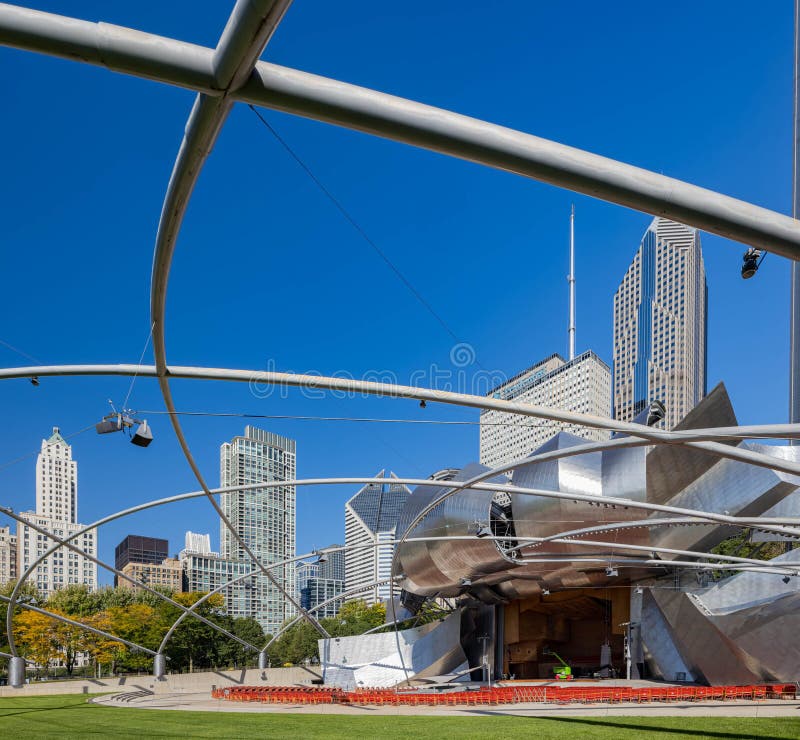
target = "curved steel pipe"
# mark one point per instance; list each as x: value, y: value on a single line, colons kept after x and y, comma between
x: 62, y: 542
x: 693, y: 438
x: 398, y: 119
x: 74, y: 623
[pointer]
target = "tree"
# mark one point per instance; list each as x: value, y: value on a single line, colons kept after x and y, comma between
x: 28, y: 591
x: 35, y: 635
x: 195, y: 644
x: 139, y: 623
x: 74, y: 600
x: 102, y: 650
x: 234, y: 653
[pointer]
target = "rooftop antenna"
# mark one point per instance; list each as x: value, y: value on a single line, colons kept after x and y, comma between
x: 571, y: 281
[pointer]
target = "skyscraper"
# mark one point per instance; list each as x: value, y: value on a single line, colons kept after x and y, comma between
x: 370, y: 517
x: 264, y: 518
x: 660, y: 324
x: 138, y: 549
x: 56, y: 512
x: 582, y: 384
x: 321, y: 582
x: 57, y: 480
x: 8, y: 555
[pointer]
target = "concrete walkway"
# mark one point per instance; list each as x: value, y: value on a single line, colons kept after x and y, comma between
x: 201, y: 702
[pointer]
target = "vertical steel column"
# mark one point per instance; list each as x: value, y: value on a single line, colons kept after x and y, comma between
x: 16, y: 672
x: 794, y: 337
x: 571, y: 281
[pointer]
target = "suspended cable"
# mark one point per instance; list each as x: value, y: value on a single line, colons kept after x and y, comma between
x: 338, y: 205
x: 21, y: 353
x: 141, y: 359
x: 31, y: 454
x: 440, y: 422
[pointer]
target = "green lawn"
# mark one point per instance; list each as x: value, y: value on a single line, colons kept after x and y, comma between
x: 71, y: 716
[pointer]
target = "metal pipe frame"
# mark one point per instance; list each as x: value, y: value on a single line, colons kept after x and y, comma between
x: 246, y: 34
x: 74, y: 623
x: 232, y: 72
x: 234, y: 581
x: 700, y: 438
x: 64, y: 543
x: 312, y: 96
x: 344, y: 595
x: 590, y: 498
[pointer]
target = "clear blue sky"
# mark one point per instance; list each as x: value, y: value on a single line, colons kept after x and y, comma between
x: 267, y: 272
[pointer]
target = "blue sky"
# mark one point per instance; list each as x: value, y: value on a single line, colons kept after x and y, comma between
x: 268, y: 274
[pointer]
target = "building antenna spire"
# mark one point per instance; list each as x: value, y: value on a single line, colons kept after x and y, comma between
x: 571, y: 282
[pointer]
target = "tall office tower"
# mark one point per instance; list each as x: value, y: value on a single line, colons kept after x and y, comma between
x: 8, y: 555
x: 56, y: 512
x: 57, y: 480
x: 370, y: 517
x: 319, y: 583
x: 138, y: 549
x: 208, y: 571
x: 263, y: 517
x: 660, y: 324
x: 582, y: 384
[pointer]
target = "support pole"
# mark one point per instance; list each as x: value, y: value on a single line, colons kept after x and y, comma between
x: 159, y: 666
x: 16, y: 672
x: 571, y: 281
x: 262, y: 660
x: 794, y: 317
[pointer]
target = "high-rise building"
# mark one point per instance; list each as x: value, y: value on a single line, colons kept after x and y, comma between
x: 321, y: 582
x: 63, y: 567
x: 660, y: 324
x: 207, y: 572
x: 166, y: 574
x: 139, y: 549
x: 582, y: 385
x: 8, y: 555
x: 56, y: 513
x: 370, y: 517
x: 57, y: 480
x: 198, y: 543
x: 264, y: 518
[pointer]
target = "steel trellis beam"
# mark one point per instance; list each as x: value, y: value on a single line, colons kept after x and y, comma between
x: 707, y: 516
x: 312, y: 96
x: 317, y: 607
x: 693, y: 438
x: 60, y: 542
x: 247, y: 32
x: 74, y: 623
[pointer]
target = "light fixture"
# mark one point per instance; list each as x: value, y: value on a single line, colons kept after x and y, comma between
x: 638, y: 591
x: 116, y: 422
x: 110, y: 423
x: 34, y: 380
x: 545, y: 592
x: 482, y: 530
x: 143, y: 435
x: 751, y: 261
x: 611, y: 571
x: 656, y: 412
x: 322, y: 557
x: 422, y: 404
x: 466, y: 582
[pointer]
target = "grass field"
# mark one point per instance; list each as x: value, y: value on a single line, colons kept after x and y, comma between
x: 71, y: 716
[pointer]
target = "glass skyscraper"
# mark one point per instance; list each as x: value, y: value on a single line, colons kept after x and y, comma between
x: 660, y: 324
x: 370, y: 517
x: 264, y: 518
